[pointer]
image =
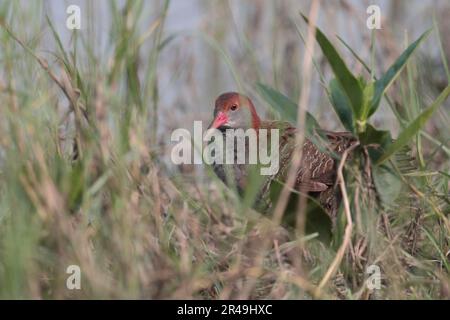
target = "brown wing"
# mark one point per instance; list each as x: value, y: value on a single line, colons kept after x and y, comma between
x: 318, y: 169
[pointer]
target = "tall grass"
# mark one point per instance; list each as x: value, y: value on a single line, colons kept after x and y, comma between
x: 83, y: 179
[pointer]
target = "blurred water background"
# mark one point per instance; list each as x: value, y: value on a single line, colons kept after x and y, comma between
x: 257, y: 38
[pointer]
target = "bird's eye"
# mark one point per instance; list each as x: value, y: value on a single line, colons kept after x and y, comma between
x: 233, y: 107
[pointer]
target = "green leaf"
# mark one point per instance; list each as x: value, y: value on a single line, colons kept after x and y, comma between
x: 286, y: 108
x: 410, y: 131
x: 445, y: 174
x: 387, y: 183
x: 392, y: 73
x: 372, y: 136
x: 367, y: 98
x: 341, y: 105
x: 166, y: 41
x: 347, y: 80
x: 375, y: 136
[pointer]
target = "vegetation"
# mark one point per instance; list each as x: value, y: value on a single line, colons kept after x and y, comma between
x: 84, y: 178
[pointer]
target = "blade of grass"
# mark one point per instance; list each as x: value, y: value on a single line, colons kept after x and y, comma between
x: 392, y: 73
x: 341, y: 105
x: 414, y: 127
x: 441, y: 50
x: 347, y: 80
x: 438, y: 248
x: 285, y: 107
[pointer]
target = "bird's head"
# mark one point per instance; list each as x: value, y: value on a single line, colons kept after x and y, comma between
x: 235, y: 111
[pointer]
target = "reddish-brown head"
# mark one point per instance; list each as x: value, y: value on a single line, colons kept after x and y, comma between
x: 234, y: 110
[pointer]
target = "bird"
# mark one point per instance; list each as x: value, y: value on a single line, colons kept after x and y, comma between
x: 316, y: 175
